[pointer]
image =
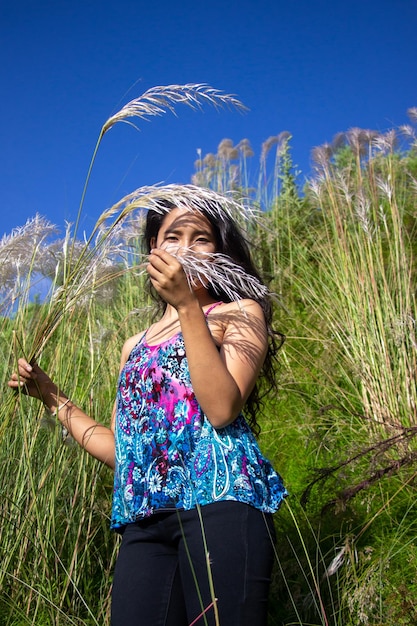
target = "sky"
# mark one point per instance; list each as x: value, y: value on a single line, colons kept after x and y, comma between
x: 310, y: 67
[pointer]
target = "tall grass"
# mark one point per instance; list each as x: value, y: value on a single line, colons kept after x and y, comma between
x: 363, y: 286
x: 341, y: 257
x: 353, y: 353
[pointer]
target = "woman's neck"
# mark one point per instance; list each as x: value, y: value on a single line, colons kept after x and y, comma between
x: 168, y: 325
x: 204, y: 299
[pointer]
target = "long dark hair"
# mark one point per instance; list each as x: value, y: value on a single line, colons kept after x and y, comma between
x: 230, y: 241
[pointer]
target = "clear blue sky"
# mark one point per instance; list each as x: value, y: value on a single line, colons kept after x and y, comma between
x: 312, y: 67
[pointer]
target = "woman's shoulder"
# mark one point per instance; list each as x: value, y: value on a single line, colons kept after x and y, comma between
x: 239, y: 318
x: 129, y: 344
x: 239, y: 307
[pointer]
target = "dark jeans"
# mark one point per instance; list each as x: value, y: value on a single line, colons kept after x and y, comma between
x: 162, y: 577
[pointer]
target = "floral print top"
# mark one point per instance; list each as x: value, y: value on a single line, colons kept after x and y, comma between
x: 168, y: 455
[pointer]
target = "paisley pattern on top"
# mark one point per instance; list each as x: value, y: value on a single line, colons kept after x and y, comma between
x: 168, y: 455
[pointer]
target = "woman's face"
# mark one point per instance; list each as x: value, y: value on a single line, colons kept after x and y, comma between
x: 185, y: 231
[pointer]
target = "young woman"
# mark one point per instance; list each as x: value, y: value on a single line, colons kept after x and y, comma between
x: 193, y: 495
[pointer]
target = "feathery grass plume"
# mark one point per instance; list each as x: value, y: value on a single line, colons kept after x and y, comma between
x: 387, y: 142
x: 281, y: 141
x: 245, y: 148
x: 18, y: 248
x: 338, y: 141
x: 227, y: 151
x: 188, y: 196
x: 359, y: 143
x: 275, y: 140
x: 158, y: 100
x: 207, y: 168
x: 221, y: 273
x: 90, y: 271
x: 321, y: 155
x: 245, y: 153
x: 360, y: 140
x: 155, y: 102
x: 20, y: 261
x: 267, y: 145
x: 412, y: 114
x: 408, y: 131
x: 209, y: 160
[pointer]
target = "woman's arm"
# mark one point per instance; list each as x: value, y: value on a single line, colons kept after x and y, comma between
x: 96, y: 439
x: 222, y: 379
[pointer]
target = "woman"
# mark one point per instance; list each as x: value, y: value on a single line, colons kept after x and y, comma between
x: 193, y: 495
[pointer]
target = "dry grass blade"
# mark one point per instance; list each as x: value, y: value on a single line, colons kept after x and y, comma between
x: 162, y: 198
x: 157, y: 100
x: 222, y: 274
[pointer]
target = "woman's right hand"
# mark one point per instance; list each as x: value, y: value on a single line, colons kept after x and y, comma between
x: 31, y: 379
x: 96, y: 439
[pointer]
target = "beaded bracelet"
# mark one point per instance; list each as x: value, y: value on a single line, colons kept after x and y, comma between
x: 61, y: 406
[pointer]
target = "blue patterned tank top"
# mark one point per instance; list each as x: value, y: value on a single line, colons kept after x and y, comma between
x: 168, y: 455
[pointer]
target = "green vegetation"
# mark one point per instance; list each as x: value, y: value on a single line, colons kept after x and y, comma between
x: 340, y: 255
